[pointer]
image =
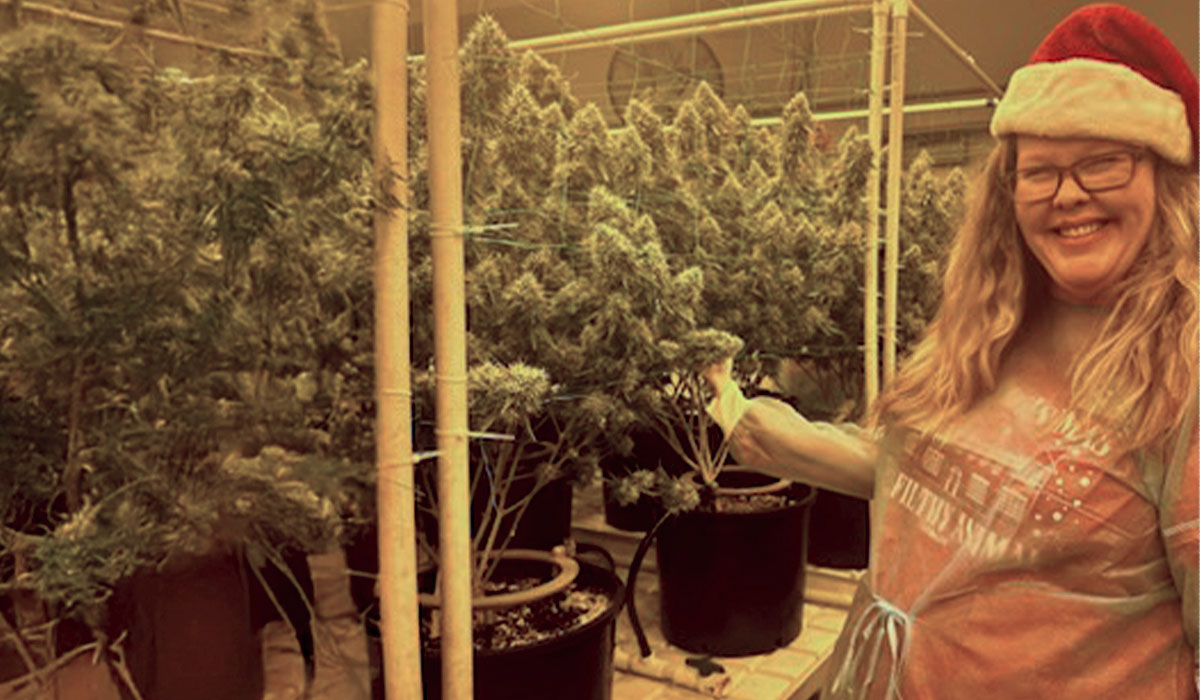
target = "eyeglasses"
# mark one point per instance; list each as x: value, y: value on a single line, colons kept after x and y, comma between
x: 1107, y: 171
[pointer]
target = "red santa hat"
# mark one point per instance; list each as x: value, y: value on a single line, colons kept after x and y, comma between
x: 1105, y: 72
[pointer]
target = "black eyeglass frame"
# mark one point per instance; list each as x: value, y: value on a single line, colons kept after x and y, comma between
x: 1136, y: 155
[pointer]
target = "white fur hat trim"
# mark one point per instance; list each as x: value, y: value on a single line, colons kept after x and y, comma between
x: 1087, y: 98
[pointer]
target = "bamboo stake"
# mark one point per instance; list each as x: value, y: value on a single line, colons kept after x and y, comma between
x: 895, y: 149
x: 879, y: 30
x: 450, y: 348
x: 611, y: 33
x: 967, y: 59
x: 399, y: 625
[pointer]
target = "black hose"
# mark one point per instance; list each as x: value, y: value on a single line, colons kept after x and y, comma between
x: 631, y: 584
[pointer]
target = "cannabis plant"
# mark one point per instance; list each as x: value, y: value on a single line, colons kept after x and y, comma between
x: 774, y: 222
x: 530, y: 428
x: 183, y: 266
x: 576, y: 314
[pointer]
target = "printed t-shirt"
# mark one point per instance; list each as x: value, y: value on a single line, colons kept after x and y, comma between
x: 1025, y: 556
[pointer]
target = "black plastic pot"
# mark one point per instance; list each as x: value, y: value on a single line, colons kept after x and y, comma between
x: 545, y: 524
x: 732, y: 584
x: 577, y: 665
x: 191, y: 634
x: 842, y: 540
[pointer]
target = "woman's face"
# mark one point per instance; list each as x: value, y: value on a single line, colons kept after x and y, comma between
x: 1086, y: 241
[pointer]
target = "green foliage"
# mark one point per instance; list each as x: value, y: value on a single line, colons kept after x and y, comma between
x: 506, y: 397
x: 621, y: 262
x: 184, y: 307
x: 674, y: 494
x: 186, y: 287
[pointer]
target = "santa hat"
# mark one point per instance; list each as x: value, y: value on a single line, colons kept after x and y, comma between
x: 1105, y: 72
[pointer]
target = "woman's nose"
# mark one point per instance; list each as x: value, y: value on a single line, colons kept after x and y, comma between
x: 1070, y: 193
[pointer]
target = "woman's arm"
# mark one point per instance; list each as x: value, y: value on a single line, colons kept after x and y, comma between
x: 770, y: 436
x: 773, y: 438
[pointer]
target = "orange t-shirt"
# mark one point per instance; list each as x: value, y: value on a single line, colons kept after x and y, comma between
x: 1022, y: 555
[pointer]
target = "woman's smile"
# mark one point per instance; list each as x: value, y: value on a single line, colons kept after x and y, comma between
x: 1077, y: 231
x: 1086, y: 241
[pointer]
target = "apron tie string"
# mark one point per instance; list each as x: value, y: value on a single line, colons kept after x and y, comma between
x: 879, y: 621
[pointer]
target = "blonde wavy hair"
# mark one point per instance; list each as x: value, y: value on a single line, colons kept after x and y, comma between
x: 1142, y: 367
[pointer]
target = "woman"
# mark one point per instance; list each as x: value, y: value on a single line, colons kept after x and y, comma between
x: 1033, y: 466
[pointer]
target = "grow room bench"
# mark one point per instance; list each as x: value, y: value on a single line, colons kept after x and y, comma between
x: 795, y: 672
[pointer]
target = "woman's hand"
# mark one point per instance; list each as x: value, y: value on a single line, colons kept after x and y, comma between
x: 719, y: 375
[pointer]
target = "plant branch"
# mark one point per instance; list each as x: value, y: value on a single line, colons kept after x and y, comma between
x: 122, y: 668
x: 23, y: 650
x: 73, y: 473
x: 15, y: 685
x: 506, y: 468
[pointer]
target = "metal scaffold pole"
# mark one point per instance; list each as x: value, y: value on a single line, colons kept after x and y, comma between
x: 684, y: 31
x: 967, y: 59
x: 871, y: 264
x: 895, y: 151
x: 450, y: 346
x: 398, y: 616
x: 696, y: 22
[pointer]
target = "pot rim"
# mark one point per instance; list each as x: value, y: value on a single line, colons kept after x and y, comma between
x: 616, y: 602
x: 568, y: 569
x: 780, y: 484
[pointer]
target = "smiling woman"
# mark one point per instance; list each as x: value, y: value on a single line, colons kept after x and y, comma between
x: 1034, y: 462
x: 1087, y: 229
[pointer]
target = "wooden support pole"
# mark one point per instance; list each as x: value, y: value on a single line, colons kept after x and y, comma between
x: 398, y: 611
x: 444, y: 119
x: 895, y: 153
x: 879, y: 30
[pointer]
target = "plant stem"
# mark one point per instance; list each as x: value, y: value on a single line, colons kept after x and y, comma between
x: 505, y: 472
x: 12, y: 687
x: 123, y: 669
x: 73, y: 473
x: 22, y: 650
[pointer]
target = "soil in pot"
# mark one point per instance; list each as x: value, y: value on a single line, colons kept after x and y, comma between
x: 554, y: 648
x: 732, y: 571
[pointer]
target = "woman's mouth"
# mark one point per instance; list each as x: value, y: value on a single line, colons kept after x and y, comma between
x: 1080, y: 230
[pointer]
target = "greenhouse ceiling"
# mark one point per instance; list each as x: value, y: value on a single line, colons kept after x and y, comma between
x: 759, y: 63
